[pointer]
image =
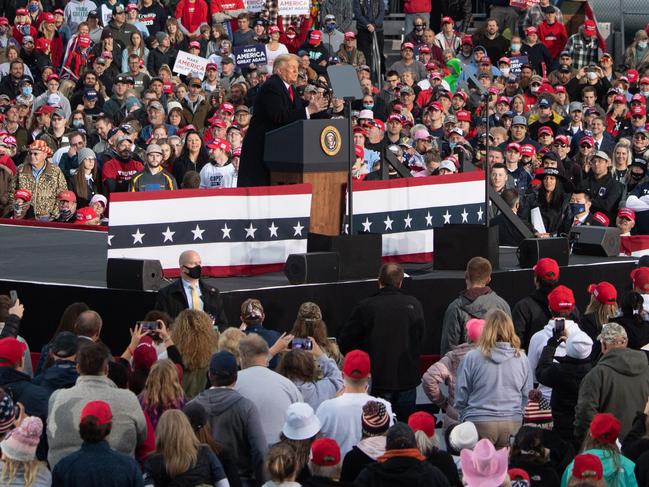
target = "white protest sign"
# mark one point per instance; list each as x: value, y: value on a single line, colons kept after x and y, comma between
x: 189, y: 64
x: 254, y: 5
x: 293, y: 7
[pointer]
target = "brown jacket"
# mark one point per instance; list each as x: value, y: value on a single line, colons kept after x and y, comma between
x: 44, y: 191
x: 197, y: 116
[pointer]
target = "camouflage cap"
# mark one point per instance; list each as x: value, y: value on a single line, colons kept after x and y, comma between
x: 611, y: 333
x: 309, y: 312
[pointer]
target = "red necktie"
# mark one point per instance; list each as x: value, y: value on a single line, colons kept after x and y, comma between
x: 290, y: 93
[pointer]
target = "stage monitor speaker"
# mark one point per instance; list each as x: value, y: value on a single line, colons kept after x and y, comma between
x: 456, y: 244
x: 598, y: 241
x: 532, y: 249
x: 311, y: 268
x: 360, y: 255
x: 136, y: 274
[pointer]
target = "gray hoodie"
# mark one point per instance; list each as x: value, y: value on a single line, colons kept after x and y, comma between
x: 471, y: 303
x: 235, y: 422
x: 493, y: 388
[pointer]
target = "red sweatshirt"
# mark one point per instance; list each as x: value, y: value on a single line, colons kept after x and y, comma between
x: 191, y: 14
x: 294, y: 44
x: 554, y: 37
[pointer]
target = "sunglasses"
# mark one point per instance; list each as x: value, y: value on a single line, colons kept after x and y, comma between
x: 561, y: 145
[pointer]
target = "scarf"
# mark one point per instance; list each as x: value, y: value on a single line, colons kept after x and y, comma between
x: 406, y: 452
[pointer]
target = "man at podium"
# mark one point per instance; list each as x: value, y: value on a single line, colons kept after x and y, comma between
x: 276, y: 105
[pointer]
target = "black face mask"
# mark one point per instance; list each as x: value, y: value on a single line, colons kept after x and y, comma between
x: 194, y: 272
x: 636, y: 176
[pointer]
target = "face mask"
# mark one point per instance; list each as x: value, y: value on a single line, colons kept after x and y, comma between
x: 534, y: 89
x: 368, y: 107
x: 66, y: 214
x: 194, y: 272
x: 18, y: 207
x: 516, y: 47
x: 505, y: 71
x: 642, y: 44
x: 636, y: 176
x: 77, y: 124
x: 330, y: 27
x: 27, y: 90
x: 419, y: 27
x: 577, y: 208
x: 452, y: 145
x: 290, y: 35
x: 591, y: 76
x: 645, y: 94
x: 33, y: 8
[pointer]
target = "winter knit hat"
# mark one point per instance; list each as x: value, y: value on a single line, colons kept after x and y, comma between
x: 375, y: 420
x: 474, y: 329
x: 7, y: 412
x: 537, y: 412
x: 20, y: 444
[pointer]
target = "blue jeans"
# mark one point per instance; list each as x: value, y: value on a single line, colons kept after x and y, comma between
x: 403, y: 402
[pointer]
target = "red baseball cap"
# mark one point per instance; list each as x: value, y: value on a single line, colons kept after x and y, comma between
x: 407, y: 45
x: 531, y: 30
x: 639, y: 110
x: 561, y: 299
x: 359, y: 151
x: 356, y: 364
x: 504, y: 60
x: 315, y: 37
x: 325, y: 452
x: 638, y: 98
x: 503, y: 99
x: 590, y: 29
x: 67, y: 195
x: 436, y: 106
x: 45, y: 109
x: 85, y: 214
x: 644, y: 80
x: 22, y: 11
x: 605, y: 428
x: 447, y: 20
x: 395, y: 118
x: 462, y: 94
x: 350, y: 35
x: 619, y: 99
x: 11, y: 350
x: 632, y: 74
x: 640, y: 279
x: 84, y: 40
x: 360, y: 130
x: 528, y: 150
x: 98, y: 409
x: 467, y: 39
x: 560, y: 89
x: 23, y: 194
x: 463, y: 116
x: 587, y: 466
x: 563, y: 139
x: 547, y: 268
x: 227, y: 107
x: 211, y: 66
x: 47, y: 17
x: 4, y: 21
x: 422, y: 421
x: 272, y: 29
x: 604, y: 292
x: 545, y: 130
x: 377, y: 123
x: 519, y: 474
x: 626, y: 213
x: 59, y: 11
x: 216, y: 121
x: 602, y: 218
x: 195, y: 44
x: 587, y: 140
x: 219, y: 143
x: 513, y: 146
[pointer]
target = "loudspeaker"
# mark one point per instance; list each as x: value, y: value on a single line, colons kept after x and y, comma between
x: 599, y: 241
x: 532, y: 249
x: 456, y: 244
x: 359, y: 255
x: 136, y: 274
x: 312, y: 267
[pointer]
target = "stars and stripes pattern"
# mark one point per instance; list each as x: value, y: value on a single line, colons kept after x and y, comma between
x: 236, y: 231
x: 405, y: 211
x: 634, y: 245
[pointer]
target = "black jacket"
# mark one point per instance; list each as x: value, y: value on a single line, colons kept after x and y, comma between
x: 273, y: 109
x: 199, y: 474
x: 353, y: 464
x: 637, y: 330
x: 445, y: 463
x: 172, y: 300
x: 564, y: 377
x: 389, y: 326
x: 61, y: 375
x: 531, y: 314
x: 401, y: 471
x: 588, y: 325
x: 605, y: 194
x: 325, y: 482
x: 636, y: 443
x: 20, y: 387
x: 540, y: 475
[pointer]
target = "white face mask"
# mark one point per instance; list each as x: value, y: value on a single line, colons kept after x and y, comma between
x: 505, y: 71
x: 642, y: 44
x: 591, y: 75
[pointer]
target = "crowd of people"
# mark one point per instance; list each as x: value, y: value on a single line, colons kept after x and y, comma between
x: 531, y: 393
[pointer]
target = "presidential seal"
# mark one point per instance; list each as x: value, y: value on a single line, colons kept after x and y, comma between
x: 330, y: 140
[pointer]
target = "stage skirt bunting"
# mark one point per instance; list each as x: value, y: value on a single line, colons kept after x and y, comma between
x: 236, y: 231
x: 405, y: 211
x: 634, y: 245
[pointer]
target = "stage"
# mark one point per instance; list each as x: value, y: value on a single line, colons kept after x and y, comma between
x: 51, y: 268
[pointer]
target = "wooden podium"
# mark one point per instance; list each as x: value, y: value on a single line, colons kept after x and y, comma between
x: 315, y: 152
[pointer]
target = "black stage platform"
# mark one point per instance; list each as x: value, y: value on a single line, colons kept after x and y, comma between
x: 51, y: 268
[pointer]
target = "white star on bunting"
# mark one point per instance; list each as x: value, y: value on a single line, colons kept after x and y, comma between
x: 137, y: 236
x: 110, y: 240
x: 366, y: 224
x: 273, y: 230
x: 198, y: 232
x: 250, y: 231
x: 298, y: 229
x: 465, y: 216
x: 388, y: 223
x: 447, y: 217
x: 429, y: 219
x: 168, y: 235
x: 407, y: 221
x: 480, y: 214
x: 226, y: 231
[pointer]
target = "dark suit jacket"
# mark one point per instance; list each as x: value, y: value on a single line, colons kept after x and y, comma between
x: 273, y: 108
x: 172, y: 300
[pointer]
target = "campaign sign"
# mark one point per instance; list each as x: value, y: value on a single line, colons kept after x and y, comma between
x: 187, y: 63
x: 254, y: 5
x: 293, y: 7
x: 517, y: 63
x: 247, y: 55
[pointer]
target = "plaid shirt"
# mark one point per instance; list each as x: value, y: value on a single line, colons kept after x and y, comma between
x: 583, y: 51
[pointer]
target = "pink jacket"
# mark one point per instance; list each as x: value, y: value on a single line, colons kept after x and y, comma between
x: 441, y: 372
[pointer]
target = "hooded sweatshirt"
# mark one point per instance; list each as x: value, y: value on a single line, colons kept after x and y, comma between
x: 493, y: 388
x: 471, y: 303
x: 619, y: 475
x: 234, y: 420
x: 455, y: 69
x: 617, y: 384
x: 538, y: 341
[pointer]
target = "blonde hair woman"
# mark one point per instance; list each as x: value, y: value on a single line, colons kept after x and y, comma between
x: 493, y: 381
x: 162, y: 391
x: 196, y: 341
x: 19, y: 466
x: 229, y: 342
x: 179, y: 457
x: 282, y: 465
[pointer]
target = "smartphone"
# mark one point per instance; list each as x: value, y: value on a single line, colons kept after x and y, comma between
x: 332, y: 340
x: 559, y: 326
x: 148, y: 325
x: 13, y: 295
x: 301, y: 344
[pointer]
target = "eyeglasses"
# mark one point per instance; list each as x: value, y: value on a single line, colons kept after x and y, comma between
x: 563, y: 146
